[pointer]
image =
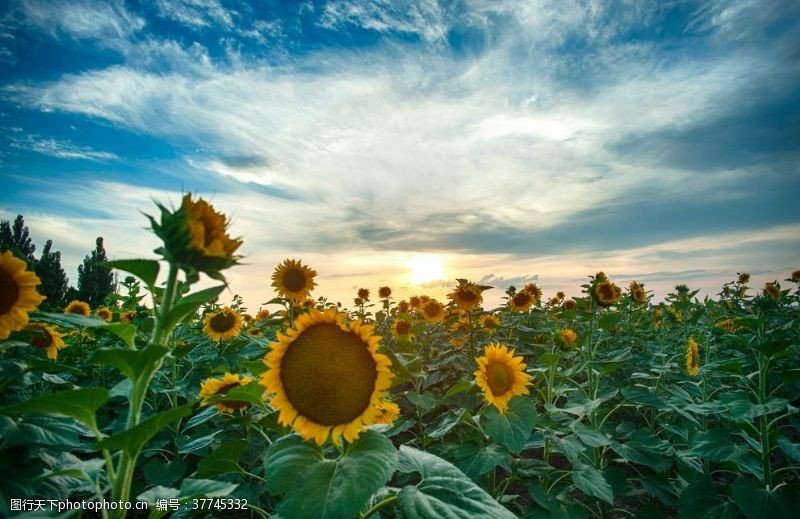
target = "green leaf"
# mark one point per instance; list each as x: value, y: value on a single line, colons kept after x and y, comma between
x: 773, y: 347
x: 740, y: 407
x: 199, y: 444
x: 589, y: 480
x: 340, y: 489
x: 134, y: 364
x: 425, y: 401
x: 46, y: 365
x: 513, y: 428
x: 716, y: 445
x: 126, y: 332
x: 476, y: 460
x: 446, y: 424
x: 701, y: 500
x: 80, y: 404
x: 462, y: 386
x: 144, y: 269
x: 643, y: 396
x: 202, y: 417
x: 204, y: 487
x: 251, y: 393
x: 757, y: 502
x: 223, y: 460
x: 132, y: 440
x: 189, y: 304
x: 444, y: 492
x: 286, y: 459
x: 591, y: 437
x: 789, y: 448
x: 643, y: 454
x: 156, y: 472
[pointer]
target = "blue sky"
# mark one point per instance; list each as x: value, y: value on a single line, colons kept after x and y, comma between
x: 508, y: 140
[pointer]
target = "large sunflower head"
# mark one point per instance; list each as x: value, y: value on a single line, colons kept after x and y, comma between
x: 196, y: 237
x: 772, y: 290
x: 326, y: 376
x: 605, y: 293
x: 78, y: 308
x: 467, y: 296
x: 501, y: 375
x: 389, y: 411
x: 384, y: 292
x: 403, y: 307
x: 211, y: 387
x: 490, y: 322
x: 692, y: 358
x: 414, y: 302
x: 46, y: 338
x: 293, y: 280
x: 224, y: 324
x: 521, y: 301
x: 638, y: 294
x: 104, y: 313
x: 18, y: 295
x: 535, y: 292
x: 433, y: 311
x: 363, y: 294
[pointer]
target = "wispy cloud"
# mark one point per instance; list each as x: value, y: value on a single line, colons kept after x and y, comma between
x: 196, y: 13
x: 83, y: 19
x: 61, y: 149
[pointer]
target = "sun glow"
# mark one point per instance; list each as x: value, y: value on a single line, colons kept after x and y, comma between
x: 424, y: 269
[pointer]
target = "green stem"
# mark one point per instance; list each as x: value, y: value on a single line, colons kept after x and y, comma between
x: 382, y: 504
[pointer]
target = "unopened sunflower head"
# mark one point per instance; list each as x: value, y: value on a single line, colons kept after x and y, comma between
x: 196, y: 238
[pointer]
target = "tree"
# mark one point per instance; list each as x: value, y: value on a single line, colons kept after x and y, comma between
x: 95, y: 282
x: 54, y: 279
x: 16, y: 238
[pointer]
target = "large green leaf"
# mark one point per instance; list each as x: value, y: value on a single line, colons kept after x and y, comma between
x: 513, y: 428
x: 144, y: 269
x: 339, y: 489
x: 476, y: 460
x: 132, y: 440
x: 134, y: 364
x: 643, y: 396
x: 758, y: 503
x: 592, y: 482
x: 204, y: 487
x: 251, y: 393
x: 223, y: 460
x: 189, y: 304
x: 80, y: 404
x: 444, y: 491
x: 701, y: 500
x: 286, y: 459
x: 591, y: 437
x: 716, y: 445
x: 126, y: 332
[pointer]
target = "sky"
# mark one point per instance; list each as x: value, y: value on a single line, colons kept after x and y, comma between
x: 410, y: 143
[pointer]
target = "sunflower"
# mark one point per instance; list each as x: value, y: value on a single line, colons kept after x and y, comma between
x: 104, y: 314
x: 534, y: 290
x: 78, y: 308
x: 262, y: 315
x: 795, y: 276
x: 567, y: 336
x: 729, y: 325
x: 18, y: 295
x: 384, y: 292
x: 207, y: 229
x: 692, y: 358
x: 254, y: 332
x: 389, y: 411
x: 401, y: 327
x: 772, y: 290
x: 433, y: 311
x: 501, y: 376
x: 403, y: 307
x: 569, y: 304
x: 490, y: 322
x: 466, y: 296
x: 225, y: 324
x: 127, y: 317
x: 637, y: 292
x: 211, y: 387
x: 326, y: 376
x: 293, y: 280
x: 560, y: 295
x: 414, y: 302
x: 521, y: 301
x: 247, y: 318
x: 457, y: 342
x: 363, y: 293
x: 461, y: 325
x: 46, y: 338
x: 744, y: 278
x: 606, y: 293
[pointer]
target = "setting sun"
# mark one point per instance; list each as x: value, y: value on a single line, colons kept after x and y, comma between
x: 425, y: 268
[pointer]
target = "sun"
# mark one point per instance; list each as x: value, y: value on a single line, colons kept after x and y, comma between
x: 425, y: 268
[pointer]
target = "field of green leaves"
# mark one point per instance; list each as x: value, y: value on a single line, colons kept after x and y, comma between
x: 603, y: 404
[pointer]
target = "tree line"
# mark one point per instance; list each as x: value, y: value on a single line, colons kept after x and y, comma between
x: 95, y: 282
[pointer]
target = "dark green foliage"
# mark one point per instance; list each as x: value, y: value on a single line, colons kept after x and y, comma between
x: 95, y: 282
x: 17, y: 239
x: 54, y: 280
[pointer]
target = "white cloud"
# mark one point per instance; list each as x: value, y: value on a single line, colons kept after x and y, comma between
x: 196, y: 13
x: 62, y: 149
x: 108, y: 21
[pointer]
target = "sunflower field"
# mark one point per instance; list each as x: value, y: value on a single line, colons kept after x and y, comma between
x: 169, y: 402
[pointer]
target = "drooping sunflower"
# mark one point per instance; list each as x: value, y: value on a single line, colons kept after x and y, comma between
x: 744, y: 278
x: 535, y: 292
x: 692, y: 358
x: 467, y: 296
x: 78, y: 308
x: 127, y: 317
x: 363, y: 293
x: 569, y: 304
x: 414, y: 302
x: 521, y: 301
x: 104, y: 313
x: 490, y: 322
x: 460, y: 326
x: 501, y: 375
x: 46, y: 338
x: 773, y: 290
x: 433, y: 311
x: 384, y: 292
x: 637, y: 292
x: 247, y: 319
x: 293, y: 280
x: 560, y: 295
x: 403, y: 307
x: 18, y: 295
x: 225, y: 324
x: 606, y: 293
x: 211, y: 387
x: 568, y: 336
x: 795, y: 276
x: 326, y: 376
x: 262, y: 315
x: 389, y: 411
x: 401, y: 327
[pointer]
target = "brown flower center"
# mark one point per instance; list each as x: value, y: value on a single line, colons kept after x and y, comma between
x: 466, y: 296
x: 522, y: 299
x: 223, y: 322
x: 9, y: 292
x: 294, y: 280
x: 431, y: 309
x: 500, y: 378
x: 605, y: 292
x: 403, y: 327
x: 41, y: 339
x: 328, y: 374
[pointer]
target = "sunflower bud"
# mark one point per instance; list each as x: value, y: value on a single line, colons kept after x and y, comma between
x: 195, y: 238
